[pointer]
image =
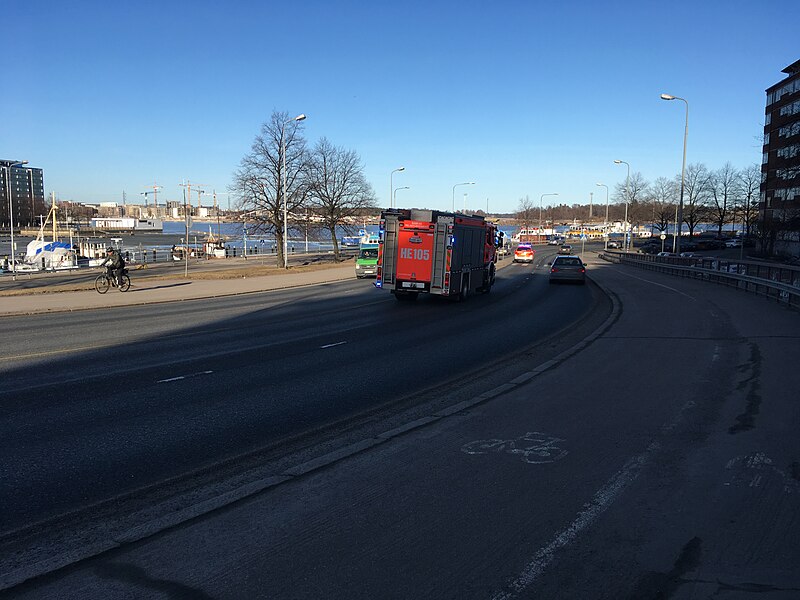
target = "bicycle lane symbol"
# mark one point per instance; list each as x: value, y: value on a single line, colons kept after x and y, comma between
x: 534, y: 448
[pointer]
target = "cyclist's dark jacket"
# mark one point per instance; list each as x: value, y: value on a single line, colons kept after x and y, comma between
x: 114, y: 261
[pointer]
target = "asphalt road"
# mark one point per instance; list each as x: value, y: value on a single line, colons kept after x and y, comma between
x: 99, y: 404
x: 659, y: 459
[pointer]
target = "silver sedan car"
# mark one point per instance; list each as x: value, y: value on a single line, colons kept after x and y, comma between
x: 568, y: 268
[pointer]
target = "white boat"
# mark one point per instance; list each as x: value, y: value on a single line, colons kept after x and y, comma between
x: 49, y: 255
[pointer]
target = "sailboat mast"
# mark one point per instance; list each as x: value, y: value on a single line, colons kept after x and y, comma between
x: 53, y: 209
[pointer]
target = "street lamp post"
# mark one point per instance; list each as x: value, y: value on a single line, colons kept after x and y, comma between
x: 628, y: 244
x: 540, y: 211
x: 605, y: 224
x: 300, y: 117
x: 454, y: 192
x: 394, y: 194
x: 391, y: 185
x: 683, y: 171
x: 11, y: 213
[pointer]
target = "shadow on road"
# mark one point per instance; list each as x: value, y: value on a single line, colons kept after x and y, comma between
x: 159, y: 287
x: 140, y: 579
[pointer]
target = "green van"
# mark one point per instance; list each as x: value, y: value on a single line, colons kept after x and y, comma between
x: 367, y: 260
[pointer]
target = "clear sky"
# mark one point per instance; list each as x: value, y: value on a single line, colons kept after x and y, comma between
x: 524, y: 98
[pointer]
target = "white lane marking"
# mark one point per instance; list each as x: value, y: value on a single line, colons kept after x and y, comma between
x: 658, y: 284
x: 715, y: 357
x: 331, y: 345
x: 602, y: 499
x: 184, y: 377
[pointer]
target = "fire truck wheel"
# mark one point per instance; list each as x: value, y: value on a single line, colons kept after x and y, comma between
x: 487, y: 287
x: 464, y: 290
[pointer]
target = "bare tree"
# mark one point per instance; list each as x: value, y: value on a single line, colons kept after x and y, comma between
x: 258, y: 183
x: 749, y: 193
x: 338, y: 189
x: 695, y: 195
x: 635, y: 193
x: 663, y: 194
x: 723, y: 187
x: 526, y: 213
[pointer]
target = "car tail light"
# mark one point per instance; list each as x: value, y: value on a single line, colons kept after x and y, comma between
x: 583, y: 270
x: 553, y: 270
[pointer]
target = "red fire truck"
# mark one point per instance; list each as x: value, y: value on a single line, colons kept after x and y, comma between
x: 427, y: 251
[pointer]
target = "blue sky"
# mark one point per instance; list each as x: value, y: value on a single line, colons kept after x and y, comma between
x: 523, y: 98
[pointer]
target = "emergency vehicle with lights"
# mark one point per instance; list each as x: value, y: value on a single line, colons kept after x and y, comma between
x: 432, y: 252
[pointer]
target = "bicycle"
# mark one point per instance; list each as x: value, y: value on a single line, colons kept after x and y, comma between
x: 105, y: 281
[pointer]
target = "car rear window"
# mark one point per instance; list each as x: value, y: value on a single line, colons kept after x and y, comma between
x: 569, y: 262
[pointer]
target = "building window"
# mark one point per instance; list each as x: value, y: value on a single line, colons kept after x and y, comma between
x: 768, y: 119
x: 766, y: 139
x: 789, y: 151
x: 764, y: 158
x: 789, y: 130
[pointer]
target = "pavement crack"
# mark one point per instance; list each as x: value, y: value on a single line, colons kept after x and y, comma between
x: 752, y: 387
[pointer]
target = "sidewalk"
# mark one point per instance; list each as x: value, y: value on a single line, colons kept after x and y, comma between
x: 153, y: 291
x: 166, y: 290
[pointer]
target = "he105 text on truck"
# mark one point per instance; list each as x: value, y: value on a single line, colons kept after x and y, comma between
x: 432, y: 252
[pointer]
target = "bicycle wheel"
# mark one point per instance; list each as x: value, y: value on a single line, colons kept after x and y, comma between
x: 126, y: 284
x: 101, y: 284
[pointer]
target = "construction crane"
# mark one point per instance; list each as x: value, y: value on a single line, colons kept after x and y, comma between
x: 188, y: 185
x: 154, y: 191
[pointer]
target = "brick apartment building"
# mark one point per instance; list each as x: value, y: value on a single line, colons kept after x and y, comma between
x: 779, y: 208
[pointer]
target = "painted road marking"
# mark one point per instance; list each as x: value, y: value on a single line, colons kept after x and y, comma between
x: 715, y: 357
x: 179, y: 378
x: 534, y: 448
x: 331, y: 345
x: 658, y: 284
x: 599, y: 503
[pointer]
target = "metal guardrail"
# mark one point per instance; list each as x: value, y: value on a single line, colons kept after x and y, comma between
x: 776, y: 282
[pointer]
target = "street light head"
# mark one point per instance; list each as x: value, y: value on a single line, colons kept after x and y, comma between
x: 617, y: 162
x: 300, y: 118
x: 401, y: 169
x: 667, y: 97
x: 471, y: 183
x: 600, y: 184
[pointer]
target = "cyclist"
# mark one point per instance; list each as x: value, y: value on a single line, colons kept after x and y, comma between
x: 114, y: 264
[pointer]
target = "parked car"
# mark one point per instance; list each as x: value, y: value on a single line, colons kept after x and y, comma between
x: 567, y: 268
x: 613, y: 244
x: 565, y: 249
x: 524, y: 253
x: 733, y: 243
x: 667, y: 254
x: 690, y: 255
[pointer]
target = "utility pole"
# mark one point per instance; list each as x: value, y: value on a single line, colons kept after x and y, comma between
x: 591, y: 197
